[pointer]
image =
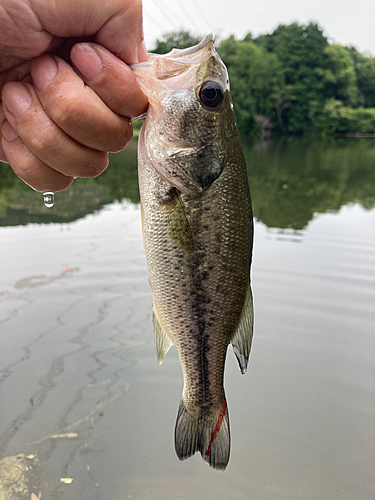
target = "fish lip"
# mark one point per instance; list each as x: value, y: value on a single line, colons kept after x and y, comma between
x: 191, y: 50
x: 175, y: 53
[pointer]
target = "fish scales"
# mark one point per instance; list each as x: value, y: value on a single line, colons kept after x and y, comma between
x: 198, y: 230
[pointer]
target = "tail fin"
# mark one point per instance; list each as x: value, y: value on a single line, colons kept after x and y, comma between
x: 207, y: 433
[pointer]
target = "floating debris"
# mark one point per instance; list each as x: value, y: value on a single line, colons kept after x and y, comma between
x: 69, y: 435
x: 66, y: 480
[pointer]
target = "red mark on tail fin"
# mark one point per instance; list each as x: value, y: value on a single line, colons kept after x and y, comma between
x: 218, y: 427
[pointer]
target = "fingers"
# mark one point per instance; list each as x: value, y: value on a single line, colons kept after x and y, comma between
x: 76, y: 108
x: 117, y: 25
x: 59, y: 128
x: 111, y: 79
x: 45, y: 140
x: 122, y: 34
x: 16, y: 74
x: 2, y: 121
x: 31, y: 170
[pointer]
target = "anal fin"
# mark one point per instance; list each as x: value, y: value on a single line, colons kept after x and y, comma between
x: 241, y: 340
x: 162, y: 342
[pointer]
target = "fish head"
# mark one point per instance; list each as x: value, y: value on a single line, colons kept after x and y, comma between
x: 190, y: 118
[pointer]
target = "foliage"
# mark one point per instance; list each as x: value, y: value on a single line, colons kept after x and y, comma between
x: 256, y: 80
x: 364, y: 67
x: 336, y: 118
x: 339, y: 77
x: 301, y: 51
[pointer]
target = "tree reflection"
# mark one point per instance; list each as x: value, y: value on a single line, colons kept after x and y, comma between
x: 291, y: 179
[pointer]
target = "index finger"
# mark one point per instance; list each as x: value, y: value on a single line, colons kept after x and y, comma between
x: 110, y: 78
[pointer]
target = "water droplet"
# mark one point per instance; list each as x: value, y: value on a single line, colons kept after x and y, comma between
x: 49, y: 199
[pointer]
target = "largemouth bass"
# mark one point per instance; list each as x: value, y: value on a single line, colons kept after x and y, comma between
x: 198, y: 235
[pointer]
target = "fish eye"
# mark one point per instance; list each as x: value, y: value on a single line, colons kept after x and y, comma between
x: 211, y: 94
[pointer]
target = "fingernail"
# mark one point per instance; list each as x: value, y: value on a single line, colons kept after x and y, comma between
x: 142, y: 53
x: 8, y: 132
x: 43, y: 70
x: 87, y: 60
x: 17, y: 99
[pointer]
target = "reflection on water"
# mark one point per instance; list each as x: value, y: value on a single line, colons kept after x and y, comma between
x: 81, y: 392
x: 21, y: 205
x: 291, y: 179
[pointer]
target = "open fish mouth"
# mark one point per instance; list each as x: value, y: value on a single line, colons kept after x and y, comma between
x: 207, y: 42
x: 175, y: 63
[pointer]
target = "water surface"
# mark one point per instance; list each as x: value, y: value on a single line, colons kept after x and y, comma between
x: 77, y: 354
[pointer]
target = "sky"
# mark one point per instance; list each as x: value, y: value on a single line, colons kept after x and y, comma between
x: 346, y: 22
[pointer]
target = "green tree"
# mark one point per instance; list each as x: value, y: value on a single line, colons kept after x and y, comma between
x: 175, y: 40
x: 339, y: 76
x: 364, y: 67
x: 301, y: 51
x: 339, y: 119
x: 256, y: 79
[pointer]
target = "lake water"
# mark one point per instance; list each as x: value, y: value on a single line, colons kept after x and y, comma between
x: 77, y: 353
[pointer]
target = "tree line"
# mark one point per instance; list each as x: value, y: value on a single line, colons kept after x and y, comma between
x: 294, y: 81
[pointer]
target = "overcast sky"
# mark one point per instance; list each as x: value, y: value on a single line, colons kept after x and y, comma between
x: 346, y: 22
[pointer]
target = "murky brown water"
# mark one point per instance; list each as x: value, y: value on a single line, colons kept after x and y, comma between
x: 77, y: 358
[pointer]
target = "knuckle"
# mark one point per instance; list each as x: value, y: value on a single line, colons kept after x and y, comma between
x: 25, y: 169
x: 57, y: 184
x: 38, y: 175
x: 42, y: 143
x: 68, y: 109
x: 96, y: 165
x: 122, y: 137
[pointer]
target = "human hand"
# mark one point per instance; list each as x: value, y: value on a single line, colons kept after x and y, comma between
x: 54, y: 127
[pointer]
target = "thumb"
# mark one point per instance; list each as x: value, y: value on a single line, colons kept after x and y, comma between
x: 115, y: 24
x: 123, y: 34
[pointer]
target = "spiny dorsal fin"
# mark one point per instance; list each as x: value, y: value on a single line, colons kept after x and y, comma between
x: 241, y: 340
x: 162, y: 342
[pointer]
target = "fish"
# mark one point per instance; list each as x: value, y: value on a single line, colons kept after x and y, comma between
x: 198, y: 235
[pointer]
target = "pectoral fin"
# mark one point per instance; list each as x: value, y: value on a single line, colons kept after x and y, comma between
x: 178, y: 226
x: 162, y: 342
x: 241, y: 340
